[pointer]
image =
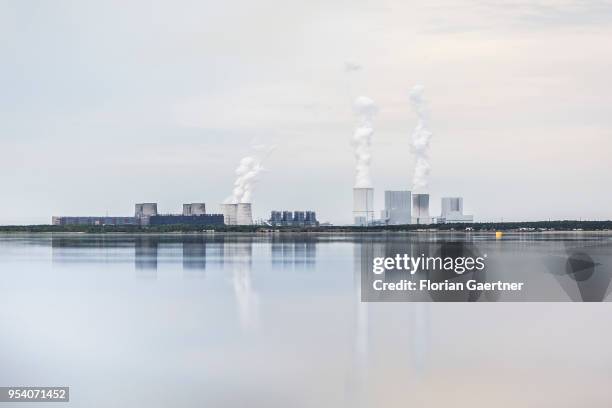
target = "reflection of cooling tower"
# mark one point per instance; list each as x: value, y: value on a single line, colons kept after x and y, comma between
x: 194, y: 209
x: 420, y: 209
x: 363, y: 206
x: 229, y: 213
x: 243, y: 214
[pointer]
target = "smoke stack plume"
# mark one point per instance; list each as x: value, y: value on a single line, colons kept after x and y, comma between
x: 247, y: 174
x: 420, y: 139
x: 365, y: 109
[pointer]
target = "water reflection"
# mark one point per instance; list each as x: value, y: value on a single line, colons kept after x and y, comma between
x: 297, y: 251
x: 238, y: 260
x: 288, y: 311
x: 194, y: 256
x: 146, y: 249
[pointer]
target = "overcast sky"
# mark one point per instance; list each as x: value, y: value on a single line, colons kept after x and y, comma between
x: 108, y: 103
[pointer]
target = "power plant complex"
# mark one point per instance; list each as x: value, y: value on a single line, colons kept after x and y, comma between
x: 403, y: 207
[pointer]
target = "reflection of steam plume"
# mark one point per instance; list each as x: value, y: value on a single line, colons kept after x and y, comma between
x: 420, y: 139
x: 357, y: 380
x: 240, y: 254
x: 365, y: 108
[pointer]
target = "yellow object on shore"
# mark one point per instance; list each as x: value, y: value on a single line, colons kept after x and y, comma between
x: 498, y: 234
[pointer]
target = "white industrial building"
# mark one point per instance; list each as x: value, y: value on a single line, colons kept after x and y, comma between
x: 452, y: 211
x: 397, y: 208
x: 363, y: 206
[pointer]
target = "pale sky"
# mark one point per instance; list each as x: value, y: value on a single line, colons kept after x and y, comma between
x: 108, y: 103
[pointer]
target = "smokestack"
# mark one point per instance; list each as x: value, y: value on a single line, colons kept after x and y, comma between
x: 363, y: 206
x: 243, y: 214
x: 230, y: 212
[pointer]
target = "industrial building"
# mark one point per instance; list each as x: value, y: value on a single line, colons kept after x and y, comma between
x: 397, y: 208
x: 363, y: 206
x: 452, y: 211
x: 420, y: 209
x: 95, y: 221
x: 293, y: 219
x: 178, y: 219
x: 146, y: 214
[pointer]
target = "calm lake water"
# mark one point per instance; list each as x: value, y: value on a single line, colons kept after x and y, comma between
x: 276, y: 321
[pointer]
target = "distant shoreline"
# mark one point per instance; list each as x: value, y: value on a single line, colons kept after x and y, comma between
x: 531, y: 226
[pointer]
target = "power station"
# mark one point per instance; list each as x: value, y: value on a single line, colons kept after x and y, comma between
x: 402, y: 207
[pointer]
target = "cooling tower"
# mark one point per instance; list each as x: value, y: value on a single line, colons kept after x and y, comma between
x: 145, y: 209
x: 420, y: 209
x: 363, y: 206
x: 243, y: 214
x: 194, y: 209
x: 229, y: 213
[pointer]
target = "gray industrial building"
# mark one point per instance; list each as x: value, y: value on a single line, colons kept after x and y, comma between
x: 95, y: 221
x: 397, y: 208
x: 293, y: 219
x: 178, y: 219
x: 146, y: 214
x: 452, y: 211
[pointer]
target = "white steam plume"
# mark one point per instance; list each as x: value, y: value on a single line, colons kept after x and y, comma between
x: 365, y: 109
x: 247, y: 174
x: 420, y: 139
